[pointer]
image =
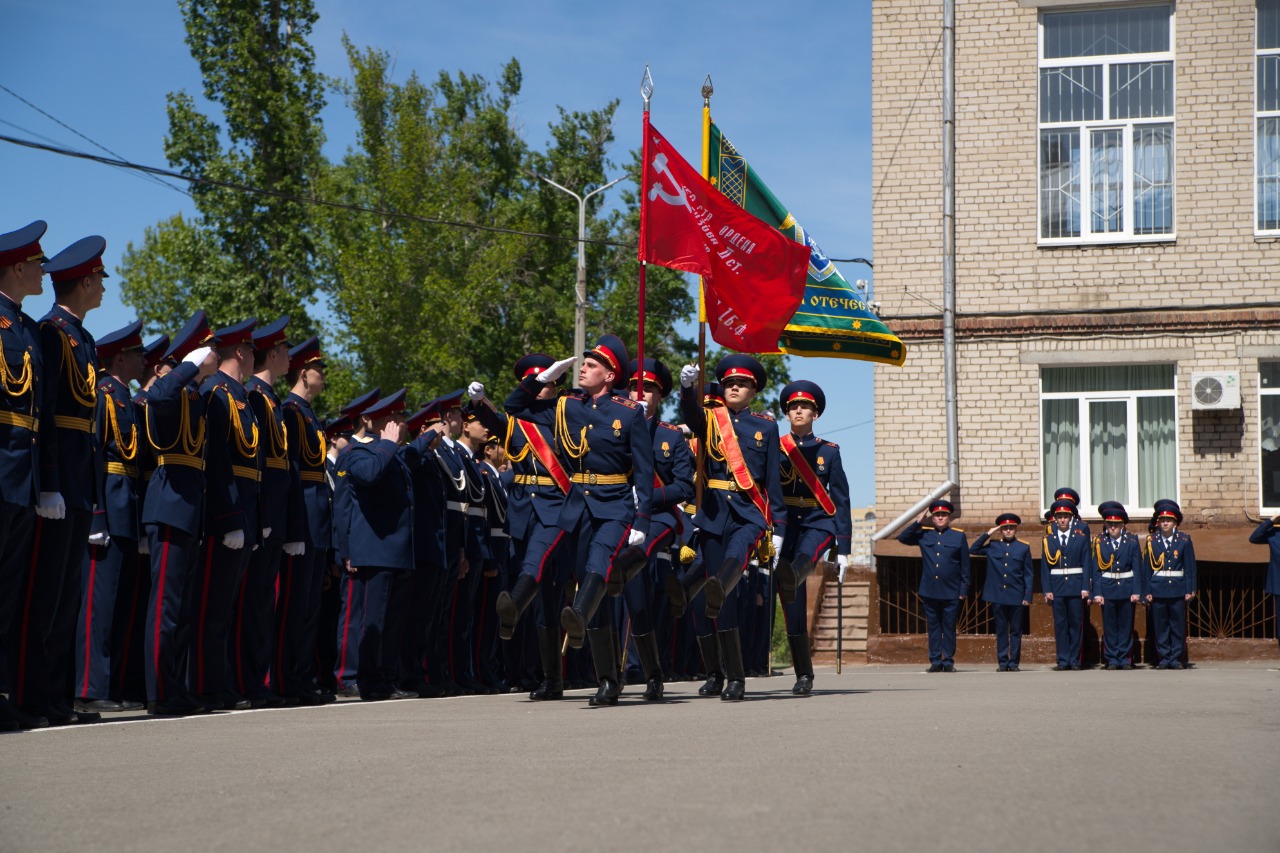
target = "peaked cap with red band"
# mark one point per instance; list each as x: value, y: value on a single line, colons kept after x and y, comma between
x: 533, y: 364
x: 81, y: 258
x: 654, y: 371
x: 190, y: 337
x: 612, y: 353
x: 240, y: 333
x: 306, y: 354
x: 741, y: 364
x: 112, y: 343
x: 1113, y: 511
x: 941, y: 506
x: 803, y: 389
x: 357, y: 406
x: 271, y: 335
x: 23, y: 245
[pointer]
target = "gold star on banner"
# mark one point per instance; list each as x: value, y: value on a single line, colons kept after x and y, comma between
x: 857, y: 324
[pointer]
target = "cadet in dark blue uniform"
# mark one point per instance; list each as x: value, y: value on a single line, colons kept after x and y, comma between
x: 21, y: 378
x: 70, y: 485
x: 539, y: 483
x: 819, y: 517
x: 1008, y: 586
x: 232, y: 527
x: 1065, y: 581
x: 1268, y: 533
x: 113, y: 542
x: 944, y: 580
x: 254, y: 622
x: 173, y: 513
x: 672, y: 486
x: 740, y: 505
x: 487, y: 665
x: 380, y: 541
x: 604, y: 442
x: 1116, y: 583
x: 1169, y: 582
x: 351, y: 616
x: 1066, y: 493
x: 466, y: 601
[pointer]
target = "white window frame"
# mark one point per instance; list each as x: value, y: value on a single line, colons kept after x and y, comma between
x: 1088, y: 501
x: 1263, y: 510
x: 1085, y: 128
x: 1258, y: 115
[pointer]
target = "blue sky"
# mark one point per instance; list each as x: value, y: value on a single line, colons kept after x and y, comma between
x: 793, y: 92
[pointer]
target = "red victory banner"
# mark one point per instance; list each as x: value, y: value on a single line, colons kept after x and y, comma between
x: 753, y: 275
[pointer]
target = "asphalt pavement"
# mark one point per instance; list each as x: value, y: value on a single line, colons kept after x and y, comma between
x: 879, y: 758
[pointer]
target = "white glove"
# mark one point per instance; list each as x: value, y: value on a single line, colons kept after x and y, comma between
x: 555, y: 371
x: 635, y: 537
x: 688, y: 374
x: 144, y: 547
x: 777, y: 550
x: 644, y: 407
x: 295, y: 549
x: 233, y: 540
x: 266, y: 533
x: 197, y: 356
x: 475, y: 391
x: 842, y: 561
x: 102, y: 538
x: 51, y: 505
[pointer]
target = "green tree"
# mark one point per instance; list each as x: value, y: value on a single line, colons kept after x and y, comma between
x: 259, y: 68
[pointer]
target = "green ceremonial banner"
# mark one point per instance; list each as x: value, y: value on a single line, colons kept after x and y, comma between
x: 833, y: 320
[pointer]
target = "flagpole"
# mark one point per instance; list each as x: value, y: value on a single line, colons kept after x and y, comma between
x: 646, y: 92
x: 707, y: 91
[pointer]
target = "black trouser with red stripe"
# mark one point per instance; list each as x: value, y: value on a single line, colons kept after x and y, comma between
x: 48, y: 603
x: 129, y: 630
x: 99, y: 588
x: 254, y: 628
x: 17, y: 524
x: 297, y: 614
x: 173, y: 570
x: 219, y: 572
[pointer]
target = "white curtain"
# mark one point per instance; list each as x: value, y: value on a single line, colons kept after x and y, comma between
x: 1061, y: 451
x: 1157, y: 450
x: 1109, y: 451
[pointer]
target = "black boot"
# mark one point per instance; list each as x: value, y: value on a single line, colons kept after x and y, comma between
x: 683, y: 587
x: 802, y: 663
x: 552, y: 686
x: 626, y: 566
x: 574, y: 619
x: 512, y: 604
x: 710, y: 647
x: 719, y: 587
x: 790, y: 574
x: 647, y: 646
x: 735, y: 686
x: 604, y: 657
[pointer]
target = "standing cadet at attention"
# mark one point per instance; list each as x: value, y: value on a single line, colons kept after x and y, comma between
x: 1169, y: 582
x: 1008, y: 586
x: 1116, y: 582
x: 1065, y: 582
x: 741, y: 509
x: 944, y: 580
x: 1268, y: 533
x: 20, y: 390
x: 819, y: 518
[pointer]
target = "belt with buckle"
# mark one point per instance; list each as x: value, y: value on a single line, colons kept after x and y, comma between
x: 312, y: 476
x: 246, y: 472
x: 281, y: 464
x: 1076, y: 571
x: 72, y: 422
x: 723, y: 485
x: 1117, y: 576
x: 180, y: 459
x: 121, y: 468
x: 591, y: 478
x: 19, y: 420
x: 457, y: 506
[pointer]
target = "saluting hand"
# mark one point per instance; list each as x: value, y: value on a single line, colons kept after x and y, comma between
x: 688, y: 375
x: 555, y: 371
x: 393, y: 431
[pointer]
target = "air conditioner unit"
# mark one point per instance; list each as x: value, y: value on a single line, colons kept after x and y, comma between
x: 1219, y: 390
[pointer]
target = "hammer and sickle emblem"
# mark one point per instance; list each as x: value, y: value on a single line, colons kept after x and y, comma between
x: 677, y: 199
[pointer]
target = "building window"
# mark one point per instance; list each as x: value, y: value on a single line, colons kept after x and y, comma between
x: 1110, y: 433
x: 1269, y: 427
x: 1106, y: 125
x: 1267, y: 155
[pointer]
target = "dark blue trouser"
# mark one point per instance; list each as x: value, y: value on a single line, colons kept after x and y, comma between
x: 1068, y: 628
x: 439, y: 638
x: 219, y: 574
x: 350, y: 623
x: 17, y: 524
x: 383, y: 591
x: 1008, y: 633
x: 48, y: 604
x: 253, y: 630
x: 1169, y: 617
x: 813, y: 544
x: 296, y: 614
x: 462, y: 621
x: 1117, y: 631
x: 174, y: 554
x: 940, y: 615
x: 424, y: 591
x: 99, y: 587
x: 129, y: 631
x: 734, y: 543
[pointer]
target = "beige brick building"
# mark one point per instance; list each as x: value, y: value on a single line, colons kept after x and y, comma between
x: 1117, y: 234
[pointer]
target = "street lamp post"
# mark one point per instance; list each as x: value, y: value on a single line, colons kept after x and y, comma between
x: 580, y: 294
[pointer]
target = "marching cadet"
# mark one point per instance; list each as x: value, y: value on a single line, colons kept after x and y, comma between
x: 605, y: 442
x: 672, y: 486
x: 1116, y: 582
x: 1268, y: 533
x: 113, y: 542
x: 380, y: 542
x: 310, y: 530
x: 254, y: 623
x: 173, y: 513
x: 539, y: 484
x: 741, y: 508
x: 819, y: 517
x: 944, y: 579
x: 1065, y: 582
x: 347, y: 660
x: 1169, y: 582
x: 1008, y: 586
x: 232, y: 522
x: 21, y: 374
x: 70, y: 484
